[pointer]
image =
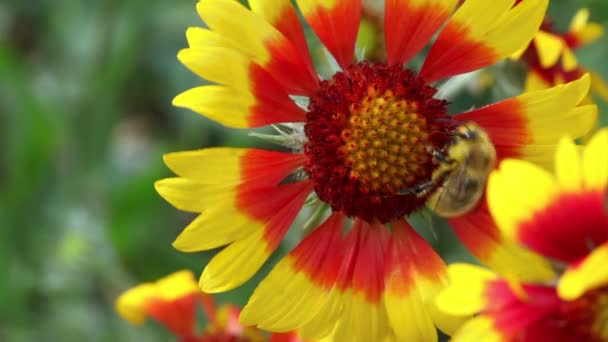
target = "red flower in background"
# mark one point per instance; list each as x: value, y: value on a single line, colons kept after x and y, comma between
x: 564, y: 218
x: 173, y: 301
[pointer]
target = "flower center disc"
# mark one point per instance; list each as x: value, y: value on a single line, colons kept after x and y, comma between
x: 370, y: 133
x: 587, y: 315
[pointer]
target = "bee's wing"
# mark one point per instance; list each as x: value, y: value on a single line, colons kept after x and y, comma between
x: 459, y: 181
x: 450, y: 181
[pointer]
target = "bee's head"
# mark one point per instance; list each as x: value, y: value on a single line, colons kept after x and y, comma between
x: 468, y: 131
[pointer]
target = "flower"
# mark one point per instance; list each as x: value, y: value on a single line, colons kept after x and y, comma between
x: 563, y: 217
x: 359, y: 141
x: 550, y: 57
x: 172, y: 301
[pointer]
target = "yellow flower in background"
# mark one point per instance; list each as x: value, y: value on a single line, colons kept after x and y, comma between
x: 173, y: 301
x: 563, y: 217
x: 551, y: 59
x: 368, y: 147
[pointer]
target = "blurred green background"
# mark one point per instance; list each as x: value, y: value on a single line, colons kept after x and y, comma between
x: 85, y: 116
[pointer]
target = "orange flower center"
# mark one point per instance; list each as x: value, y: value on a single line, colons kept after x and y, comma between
x: 385, y: 142
x: 371, y: 130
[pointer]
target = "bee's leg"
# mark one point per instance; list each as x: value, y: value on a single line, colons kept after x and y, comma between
x: 441, y: 157
x: 419, y: 189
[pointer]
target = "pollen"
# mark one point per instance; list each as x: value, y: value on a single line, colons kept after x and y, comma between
x: 371, y: 130
x: 382, y: 125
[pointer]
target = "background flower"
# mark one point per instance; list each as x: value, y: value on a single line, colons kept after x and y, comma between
x: 561, y: 217
x: 174, y: 302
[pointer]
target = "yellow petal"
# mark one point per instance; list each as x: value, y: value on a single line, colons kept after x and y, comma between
x: 549, y: 47
x: 465, y: 292
x: 515, y: 28
x: 267, y: 307
x: 193, y: 196
x: 514, y: 261
x: 580, y: 20
x: 584, y: 31
x: 568, y: 166
x: 361, y: 320
x: 212, y: 63
x: 542, y: 106
x: 176, y: 285
x: 481, y: 328
x: 216, y: 227
x: 239, y: 25
x: 516, y: 191
x: 130, y: 305
x: 595, y: 161
x: 199, y: 37
x: 409, y: 316
x: 235, y: 264
x: 324, y: 323
x: 569, y: 62
x: 591, y: 273
x: 217, y: 165
x: 226, y: 105
x: 534, y: 82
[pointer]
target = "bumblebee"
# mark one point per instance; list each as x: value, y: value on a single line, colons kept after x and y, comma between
x: 463, y: 171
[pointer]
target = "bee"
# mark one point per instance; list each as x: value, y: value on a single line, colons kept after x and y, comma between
x: 463, y: 171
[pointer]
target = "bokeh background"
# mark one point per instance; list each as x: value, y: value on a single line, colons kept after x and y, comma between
x: 85, y: 116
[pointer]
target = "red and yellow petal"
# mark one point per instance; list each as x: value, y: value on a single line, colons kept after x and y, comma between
x: 549, y: 47
x: 535, y: 81
x: 344, y: 287
x: 217, y: 182
x: 588, y: 274
x: 265, y: 45
x: 262, y: 100
x: 179, y: 315
x: 557, y: 224
x: 131, y: 304
x: 270, y: 210
x: 170, y: 300
x: 283, y: 17
x: 336, y: 22
x: 504, y: 309
x: 304, y: 279
x: 226, y: 165
x: 262, y: 103
x: 263, y: 69
x: 361, y: 283
x: 242, y: 205
x: 530, y: 125
x: 581, y: 32
x: 415, y: 274
x: 558, y: 217
x: 479, y: 233
x: 480, y: 34
x: 410, y: 24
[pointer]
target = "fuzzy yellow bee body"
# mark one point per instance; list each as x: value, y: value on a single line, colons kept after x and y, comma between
x: 463, y: 173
